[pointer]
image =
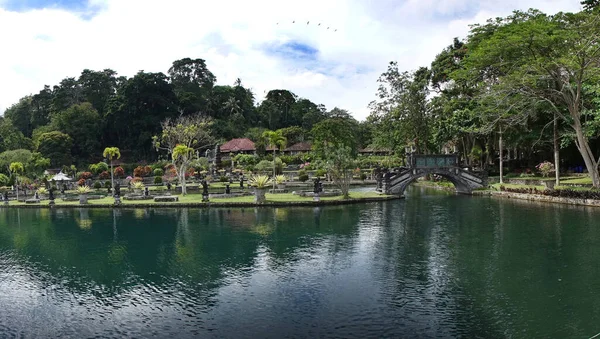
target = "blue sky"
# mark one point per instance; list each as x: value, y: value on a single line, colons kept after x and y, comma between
x: 266, y: 43
x: 24, y: 5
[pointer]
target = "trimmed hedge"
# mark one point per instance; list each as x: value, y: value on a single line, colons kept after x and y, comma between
x: 563, y: 193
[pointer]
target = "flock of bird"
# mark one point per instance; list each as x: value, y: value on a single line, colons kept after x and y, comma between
x: 308, y: 22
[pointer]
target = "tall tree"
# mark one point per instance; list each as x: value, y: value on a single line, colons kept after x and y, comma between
x: 550, y: 59
x: 56, y: 146
x: 192, y: 83
x: 81, y: 123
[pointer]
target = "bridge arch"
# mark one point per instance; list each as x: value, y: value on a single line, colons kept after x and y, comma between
x: 460, y: 184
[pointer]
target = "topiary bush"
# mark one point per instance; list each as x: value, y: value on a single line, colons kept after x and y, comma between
x: 158, y: 172
x: 158, y: 180
x: 302, y: 175
x: 97, y: 185
x: 107, y: 184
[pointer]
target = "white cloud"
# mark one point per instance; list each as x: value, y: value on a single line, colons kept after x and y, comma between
x: 44, y: 46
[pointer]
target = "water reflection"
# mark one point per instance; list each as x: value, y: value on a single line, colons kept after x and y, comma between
x: 429, y: 266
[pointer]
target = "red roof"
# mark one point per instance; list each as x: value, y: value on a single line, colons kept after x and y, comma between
x: 299, y: 147
x: 237, y: 145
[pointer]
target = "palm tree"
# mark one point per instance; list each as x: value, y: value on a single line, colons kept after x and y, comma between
x: 111, y: 153
x: 16, y: 168
x: 276, y: 140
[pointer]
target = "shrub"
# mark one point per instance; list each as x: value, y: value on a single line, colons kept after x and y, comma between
x: 97, y: 185
x: 104, y: 175
x: 302, y: 175
x: 119, y: 172
x: 264, y: 166
x: 107, y: 184
x: 158, y: 172
x: 81, y: 182
x: 320, y: 173
x: 138, y: 185
x: 136, y: 179
x: 363, y: 176
x: 42, y: 190
x: 147, y: 171
x: 158, y: 180
x: 85, y: 175
x: 138, y: 172
x: 545, y: 168
x: 223, y: 179
x: 4, y: 180
x: 98, y: 168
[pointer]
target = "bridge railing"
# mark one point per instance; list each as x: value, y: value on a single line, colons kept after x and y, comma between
x: 433, y: 160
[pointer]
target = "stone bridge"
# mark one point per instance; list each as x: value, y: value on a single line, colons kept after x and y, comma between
x: 445, y: 165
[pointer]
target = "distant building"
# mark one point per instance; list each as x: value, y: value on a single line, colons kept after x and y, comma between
x: 298, y: 148
x: 238, y: 146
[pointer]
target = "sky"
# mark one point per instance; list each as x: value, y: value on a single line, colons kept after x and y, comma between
x: 328, y: 51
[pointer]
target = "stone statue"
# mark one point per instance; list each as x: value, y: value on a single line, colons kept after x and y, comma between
x: 227, y: 189
x: 242, y: 182
x: 204, y: 191
x: 168, y: 186
x: 51, y: 194
x: 146, y: 191
x: 36, y: 196
x: 5, y: 196
x: 317, y: 186
x: 117, y: 190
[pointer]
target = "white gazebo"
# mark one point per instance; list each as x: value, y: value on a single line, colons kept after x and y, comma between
x: 61, y: 177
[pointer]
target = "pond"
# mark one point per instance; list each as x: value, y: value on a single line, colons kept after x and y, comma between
x: 432, y: 265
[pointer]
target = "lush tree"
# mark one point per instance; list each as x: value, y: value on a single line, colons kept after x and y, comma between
x: 65, y: 95
x: 20, y: 115
x: 98, y: 87
x: 81, y: 122
x: 276, y: 109
x: 335, y: 131
x: 292, y: 134
x: 340, y: 164
x: 136, y: 112
x: 192, y: 83
x: 12, y: 138
x: 550, y: 59
x: 56, y: 146
x: 402, y: 112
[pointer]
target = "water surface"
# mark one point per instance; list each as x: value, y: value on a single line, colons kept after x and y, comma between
x: 433, y: 265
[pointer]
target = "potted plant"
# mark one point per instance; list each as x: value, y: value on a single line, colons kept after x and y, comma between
x: 138, y: 187
x: 280, y: 180
x: 261, y: 184
x: 83, y: 194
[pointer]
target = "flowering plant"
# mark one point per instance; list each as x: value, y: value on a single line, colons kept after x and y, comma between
x: 545, y: 168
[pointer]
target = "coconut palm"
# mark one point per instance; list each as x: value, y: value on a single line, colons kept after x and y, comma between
x: 276, y: 140
x: 111, y: 153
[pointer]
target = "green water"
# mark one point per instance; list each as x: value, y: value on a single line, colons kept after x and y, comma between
x: 433, y: 265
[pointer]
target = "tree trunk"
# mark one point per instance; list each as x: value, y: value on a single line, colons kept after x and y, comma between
x: 500, y: 151
x: 274, y: 166
x: 182, y: 180
x: 586, y: 153
x: 556, y: 152
x: 112, y: 179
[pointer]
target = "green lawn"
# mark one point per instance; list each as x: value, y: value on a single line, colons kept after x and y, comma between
x: 197, y: 199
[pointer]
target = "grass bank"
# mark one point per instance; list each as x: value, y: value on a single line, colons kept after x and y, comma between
x: 195, y: 200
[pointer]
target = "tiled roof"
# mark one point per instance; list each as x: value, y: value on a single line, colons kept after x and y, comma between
x: 299, y: 147
x: 237, y: 145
